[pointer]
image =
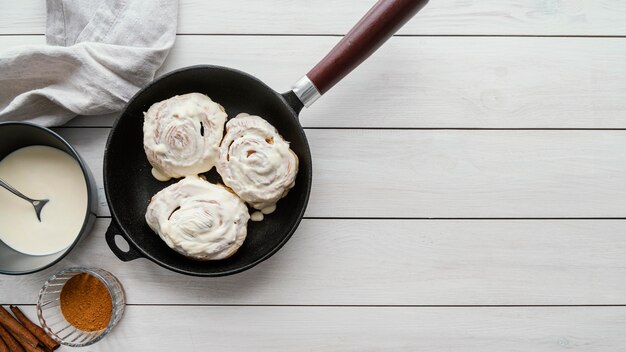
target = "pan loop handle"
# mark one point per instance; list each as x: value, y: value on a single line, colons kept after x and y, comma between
x: 126, y: 256
x: 378, y: 24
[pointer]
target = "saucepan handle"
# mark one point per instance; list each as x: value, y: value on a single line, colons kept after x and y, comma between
x: 380, y: 23
x: 126, y: 256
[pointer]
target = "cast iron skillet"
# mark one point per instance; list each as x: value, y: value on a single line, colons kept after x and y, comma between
x: 129, y: 184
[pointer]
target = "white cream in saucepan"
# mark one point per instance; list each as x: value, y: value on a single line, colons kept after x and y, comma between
x: 42, y: 172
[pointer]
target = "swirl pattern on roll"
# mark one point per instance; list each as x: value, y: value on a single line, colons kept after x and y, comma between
x: 256, y: 162
x: 181, y: 135
x: 199, y: 219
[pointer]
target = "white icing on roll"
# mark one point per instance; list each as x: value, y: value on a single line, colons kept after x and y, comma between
x: 256, y: 162
x: 199, y: 219
x: 181, y: 135
x: 256, y: 216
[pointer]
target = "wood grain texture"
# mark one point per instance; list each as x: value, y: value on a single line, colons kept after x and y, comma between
x: 381, y: 22
x: 449, y: 17
x: 442, y: 82
x: 537, y: 329
x: 448, y: 173
x: 399, y: 284
x: 388, y: 262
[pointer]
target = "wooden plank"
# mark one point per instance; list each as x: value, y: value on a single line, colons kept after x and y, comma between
x: 448, y: 173
x: 449, y: 17
x: 23, y: 17
x: 538, y: 329
x: 388, y: 262
x: 105, y: 120
x: 442, y: 82
x: 90, y: 142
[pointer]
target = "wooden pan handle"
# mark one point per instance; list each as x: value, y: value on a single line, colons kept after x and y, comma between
x: 380, y: 23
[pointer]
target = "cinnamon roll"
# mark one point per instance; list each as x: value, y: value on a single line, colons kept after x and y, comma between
x: 256, y: 162
x: 199, y: 219
x: 181, y: 135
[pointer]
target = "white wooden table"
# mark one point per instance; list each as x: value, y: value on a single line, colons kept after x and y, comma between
x: 469, y: 185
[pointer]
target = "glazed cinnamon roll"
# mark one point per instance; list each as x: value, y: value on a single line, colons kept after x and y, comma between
x: 181, y: 135
x: 256, y: 163
x: 199, y: 219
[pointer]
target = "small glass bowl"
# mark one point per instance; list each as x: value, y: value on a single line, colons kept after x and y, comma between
x: 49, y: 309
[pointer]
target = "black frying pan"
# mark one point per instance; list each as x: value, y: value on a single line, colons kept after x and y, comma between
x: 129, y: 184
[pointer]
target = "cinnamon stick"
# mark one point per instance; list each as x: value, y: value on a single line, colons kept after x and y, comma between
x: 29, y: 348
x: 3, y: 346
x: 34, y: 329
x: 17, y: 329
x: 10, y: 341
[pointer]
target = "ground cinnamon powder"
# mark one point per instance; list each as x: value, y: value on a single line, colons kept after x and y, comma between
x: 86, y: 303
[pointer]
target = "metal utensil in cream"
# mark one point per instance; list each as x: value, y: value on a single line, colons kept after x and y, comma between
x: 43, y: 173
x: 37, y: 203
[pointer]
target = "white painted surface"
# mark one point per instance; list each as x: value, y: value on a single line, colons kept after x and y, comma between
x: 448, y: 173
x: 389, y: 262
x: 345, y: 284
x: 464, y: 17
x: 433, y: 82
x: 537, y: 329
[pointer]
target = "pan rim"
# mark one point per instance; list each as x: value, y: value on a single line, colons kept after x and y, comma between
x: 123, y: 231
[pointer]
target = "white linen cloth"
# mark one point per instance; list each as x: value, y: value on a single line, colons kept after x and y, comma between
x: 99, y: 53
